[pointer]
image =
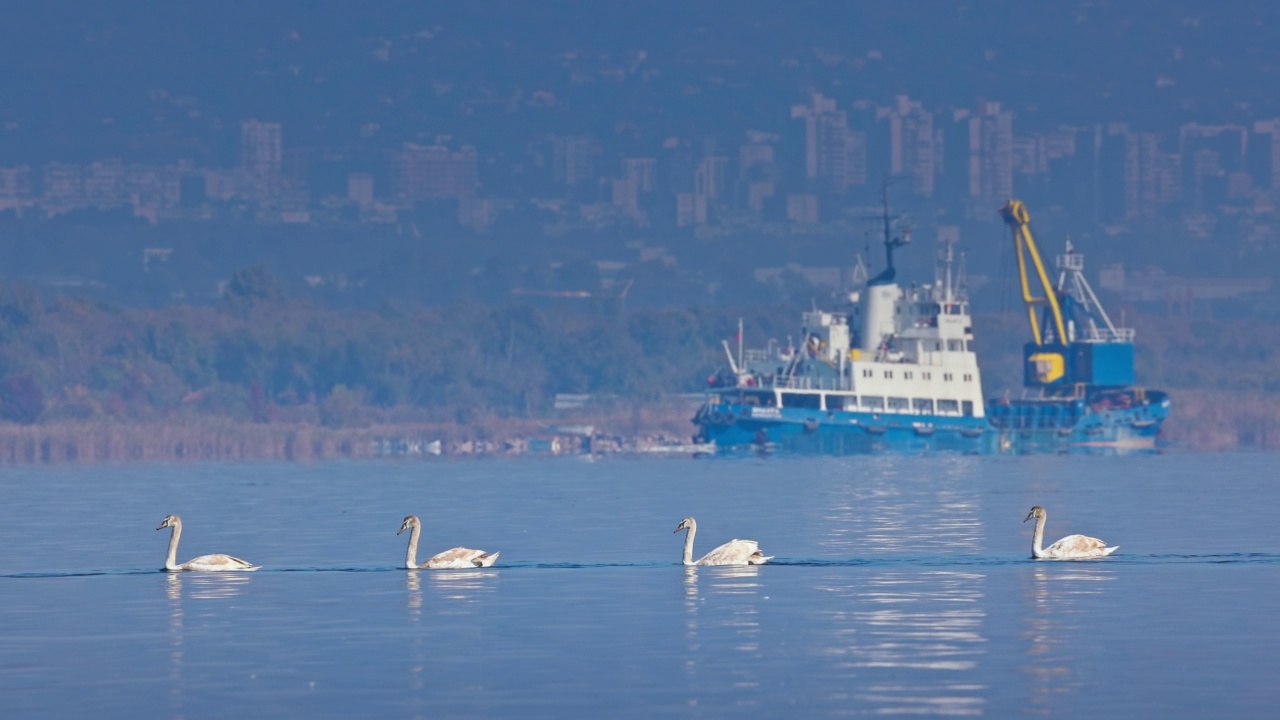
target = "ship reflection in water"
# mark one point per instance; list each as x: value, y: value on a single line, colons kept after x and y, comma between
x: 884, y: 512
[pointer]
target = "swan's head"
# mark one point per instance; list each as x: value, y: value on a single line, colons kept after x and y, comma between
x: 169, y: 521
x: 1036, y: 512
x: 410, y: 521
x: 685, y: 524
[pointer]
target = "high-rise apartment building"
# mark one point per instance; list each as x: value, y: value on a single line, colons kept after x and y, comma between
x: 991, y: 155
x: 261, y: 159
x: 691, y: 209
x: 912, y: 144
x: 711, y: 177
x: 835, y: 155
x: 434, y: 172
x: 573, y: 160
x: 15, y: 182
x: 1213, y: 154
x: 643, y: 171
x: 1268, y: 174
x: 759, y: 156
x: 1161, y: 175
x: 360, y: 189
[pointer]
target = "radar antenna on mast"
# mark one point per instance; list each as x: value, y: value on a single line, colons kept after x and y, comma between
x: 887, y: 275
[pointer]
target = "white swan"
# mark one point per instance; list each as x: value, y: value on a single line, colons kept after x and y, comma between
x: 204, y: 563
x: 734, y: 552
x: 1071, y: 547
x: 457, y: 558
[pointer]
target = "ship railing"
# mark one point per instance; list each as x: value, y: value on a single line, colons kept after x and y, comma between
x: 1104, y: 335
x: 809, y: 383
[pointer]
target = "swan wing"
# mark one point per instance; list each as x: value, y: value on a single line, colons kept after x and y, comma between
x: 735, y: 552
x: 218, y: 563
x: 459, y: 558
x: 1079, y: 546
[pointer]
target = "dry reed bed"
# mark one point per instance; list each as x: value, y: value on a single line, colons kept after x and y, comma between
x: 1201, y: 420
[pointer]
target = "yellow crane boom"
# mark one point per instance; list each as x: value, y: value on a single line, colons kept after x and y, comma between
x: 1015, y: 214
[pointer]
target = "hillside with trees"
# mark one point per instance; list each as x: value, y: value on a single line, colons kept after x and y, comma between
x: 261, y: 360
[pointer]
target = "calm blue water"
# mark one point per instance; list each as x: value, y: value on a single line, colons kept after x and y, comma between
x: 902, y: 586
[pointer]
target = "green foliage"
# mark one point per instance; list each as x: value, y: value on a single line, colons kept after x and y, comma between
x: 252, y: 287
x: 286, y: 361
x: 21, y: 399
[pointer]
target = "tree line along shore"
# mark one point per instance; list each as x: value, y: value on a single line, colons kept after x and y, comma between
x: 260, y: 377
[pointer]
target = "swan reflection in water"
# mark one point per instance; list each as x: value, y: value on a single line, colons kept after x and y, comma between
x: 177, y: 639
x: 207, y: 586
x: 1053, y: 596
x: 180, y: 588
x: 718, y: 600
x: 452, y: 592
x: 461, y: 589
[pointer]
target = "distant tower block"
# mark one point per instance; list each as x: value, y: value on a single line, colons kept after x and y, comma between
x: 360, y: 189
x: 261, y: 157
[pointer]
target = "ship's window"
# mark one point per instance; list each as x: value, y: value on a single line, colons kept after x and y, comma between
x: 948, y: 406
x: 968, y: 377
x: 867, y: 373
x: 840, y: 402
x: 801, y: 400
x: 955, y: 345
x: 873, y: 402
x: 899, y: 404
x: 937, y: 346
x: 968, y: 408
x: 906, y: 375
x: 922, y: 405
x: 946, y: 377
x: 888, y: 374
x: 927, y: 376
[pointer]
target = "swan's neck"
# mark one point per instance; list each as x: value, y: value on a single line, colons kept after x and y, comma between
x: 171, y: 561
x: 411, y: 554
x: 688, y: 543
x: 1037, y: 542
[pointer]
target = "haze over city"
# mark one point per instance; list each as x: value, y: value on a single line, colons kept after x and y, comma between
x: 690, y: 152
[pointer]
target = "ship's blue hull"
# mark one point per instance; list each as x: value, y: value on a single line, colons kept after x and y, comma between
x: 1012, y: 428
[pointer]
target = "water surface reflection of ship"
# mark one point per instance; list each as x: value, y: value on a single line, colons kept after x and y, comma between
x: 888, y: 513
x: 905, y: 641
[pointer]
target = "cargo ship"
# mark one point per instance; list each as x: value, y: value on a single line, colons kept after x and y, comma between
x: 893, y: 368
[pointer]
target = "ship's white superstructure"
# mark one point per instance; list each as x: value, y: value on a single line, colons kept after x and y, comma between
x: 910, y: 354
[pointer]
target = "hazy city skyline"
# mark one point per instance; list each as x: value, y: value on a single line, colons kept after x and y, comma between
x: 688, y: 124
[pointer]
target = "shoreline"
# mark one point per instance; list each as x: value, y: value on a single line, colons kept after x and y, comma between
x: 1203, y: 421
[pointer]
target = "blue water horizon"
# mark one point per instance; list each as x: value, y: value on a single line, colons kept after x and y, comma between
x: 900, y: 585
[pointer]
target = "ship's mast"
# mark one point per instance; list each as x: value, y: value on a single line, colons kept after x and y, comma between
x: 890, y: 242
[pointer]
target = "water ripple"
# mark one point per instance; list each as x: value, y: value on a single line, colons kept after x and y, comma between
x: 871, y: 562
